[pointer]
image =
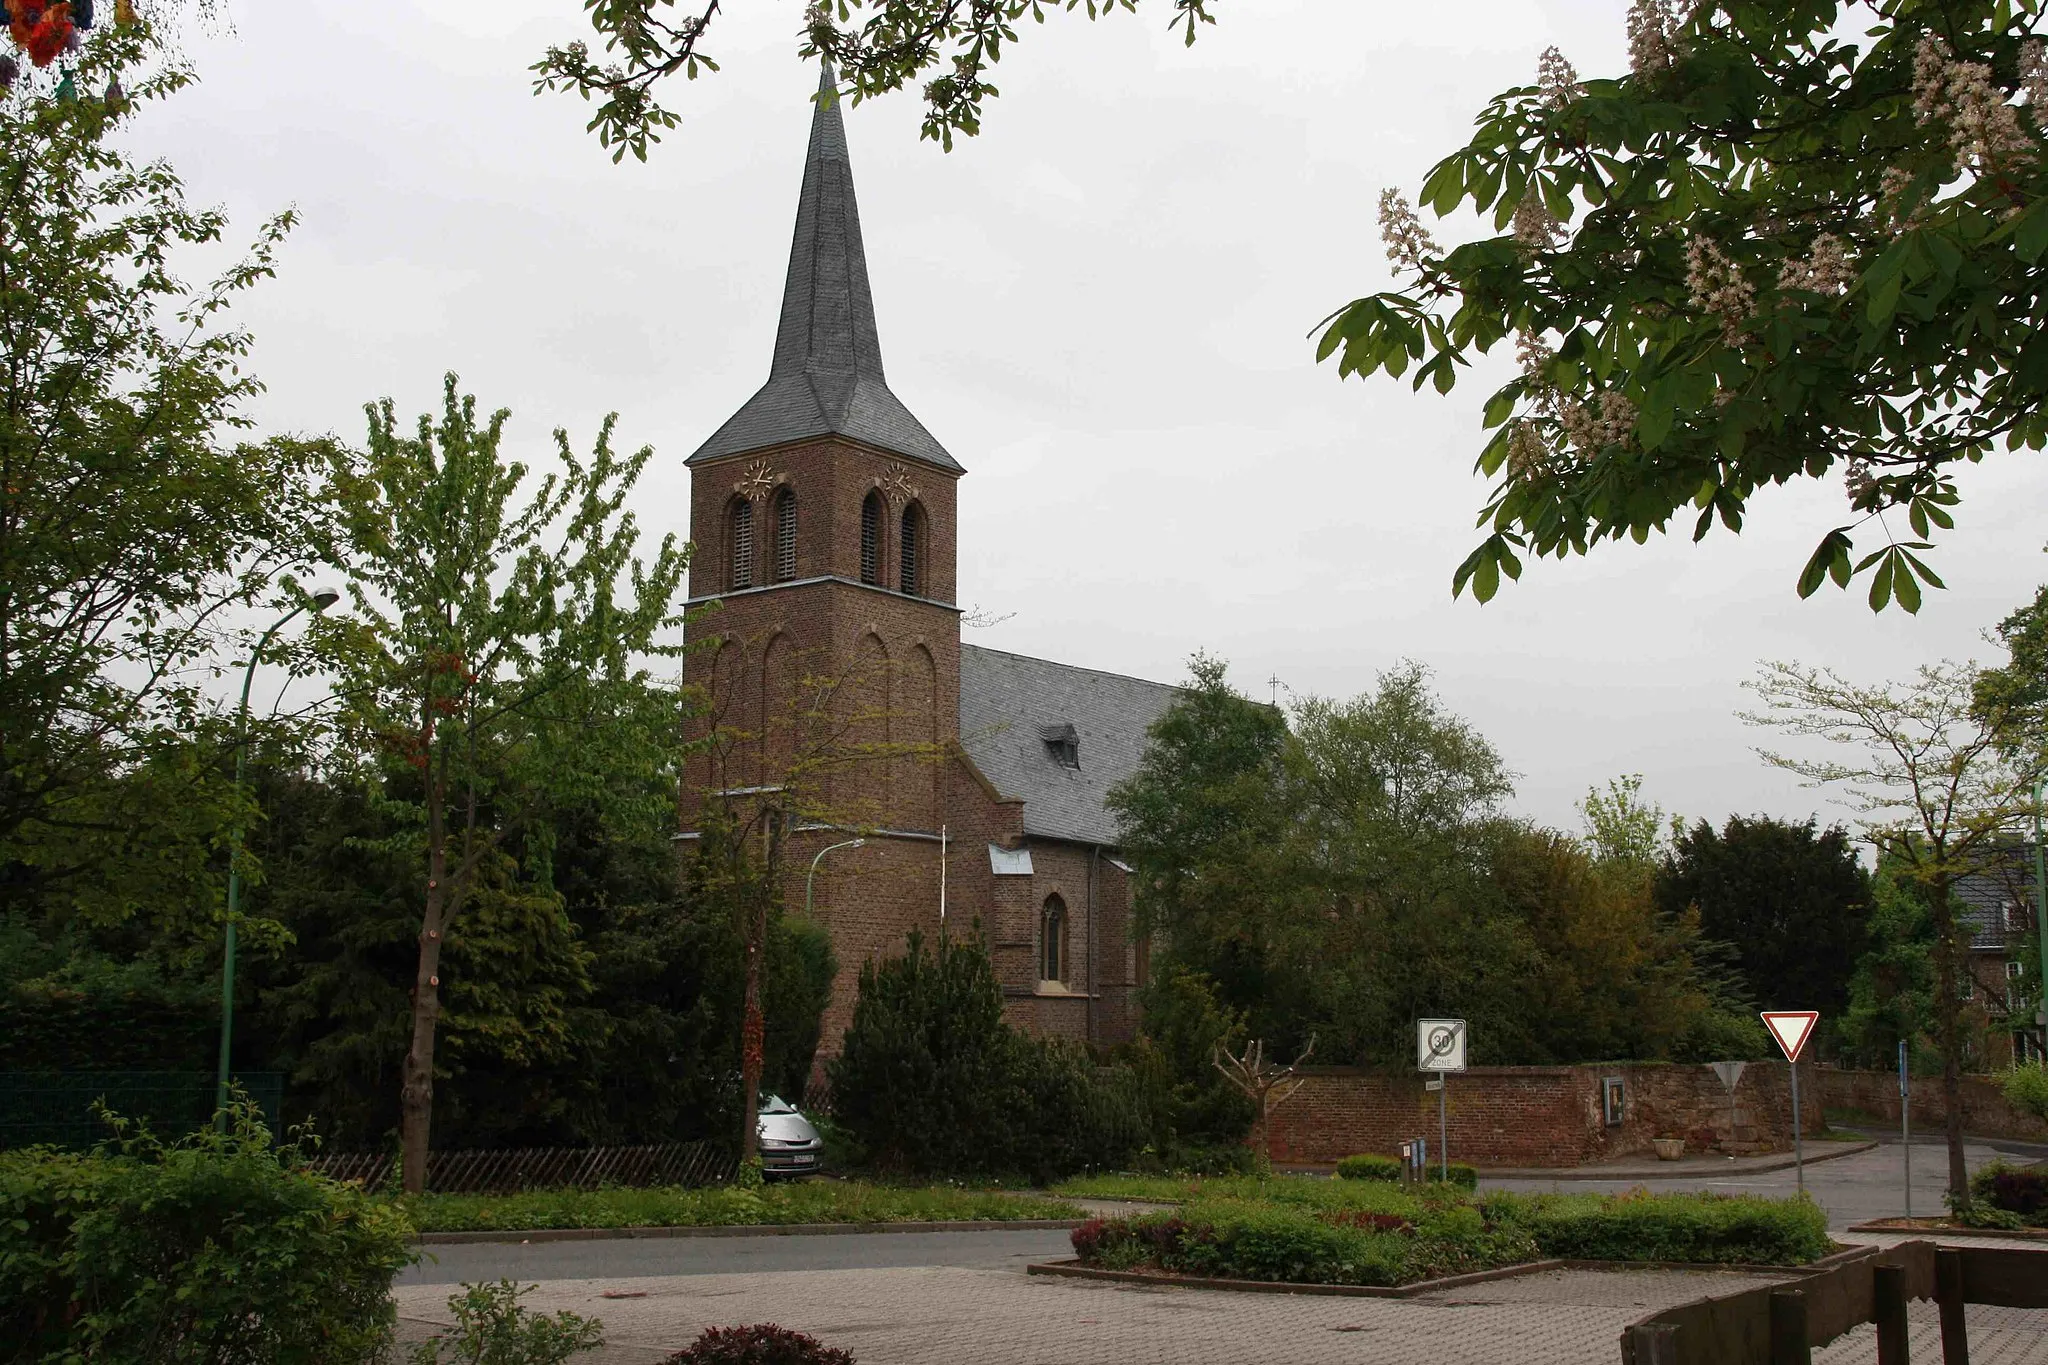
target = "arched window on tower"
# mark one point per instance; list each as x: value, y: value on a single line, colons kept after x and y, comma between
x: 871, y: 539
x: 740, y: 539
x: 911, y: 580
x: 1052, y: 940
x: 785, y: 534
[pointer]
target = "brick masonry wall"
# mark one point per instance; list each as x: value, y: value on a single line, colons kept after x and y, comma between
x: 1985, y: 1111
x: 1539, y: 1116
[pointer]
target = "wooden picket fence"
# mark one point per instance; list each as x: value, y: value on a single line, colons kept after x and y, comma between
x: 509, y: 1170
x: 1782, y: 1324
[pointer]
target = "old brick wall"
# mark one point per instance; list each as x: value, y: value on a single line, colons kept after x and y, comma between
x: 1985, y: 1111
x: 1538, y: 1116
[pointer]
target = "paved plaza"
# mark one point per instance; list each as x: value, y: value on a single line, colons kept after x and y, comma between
x: 952, y: 1316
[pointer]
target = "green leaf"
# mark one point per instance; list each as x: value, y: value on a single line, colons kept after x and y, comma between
x: 1881, y: 586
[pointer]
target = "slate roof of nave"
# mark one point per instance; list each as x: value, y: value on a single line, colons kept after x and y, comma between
x: 1010, y: 704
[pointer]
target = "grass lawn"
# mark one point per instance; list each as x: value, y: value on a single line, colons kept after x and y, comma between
x: 810, y: 1201
x: 1313, y: 1230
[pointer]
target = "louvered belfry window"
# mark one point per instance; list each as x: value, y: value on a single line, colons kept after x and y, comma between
x: 742, y: 541
x: 870, y: 539
x: 785, y: 535
x: 913, y: 522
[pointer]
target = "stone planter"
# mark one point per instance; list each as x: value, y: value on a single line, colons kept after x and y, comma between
x: 1668, y: 1149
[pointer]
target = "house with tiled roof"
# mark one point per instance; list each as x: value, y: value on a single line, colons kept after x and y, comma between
x: 1997, y: 906
x: 943, y: 785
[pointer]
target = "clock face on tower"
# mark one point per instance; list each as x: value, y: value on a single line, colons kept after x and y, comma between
x: 759, y: 478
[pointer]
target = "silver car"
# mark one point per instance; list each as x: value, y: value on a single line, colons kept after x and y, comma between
x: 789, y: 1145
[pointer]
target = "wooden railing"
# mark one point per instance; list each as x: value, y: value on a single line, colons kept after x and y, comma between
x: 509, y: 1170
x: 1781, y: 1324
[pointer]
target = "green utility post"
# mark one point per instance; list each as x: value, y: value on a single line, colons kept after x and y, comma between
x: 2040, y: 919
x: 320, y: 601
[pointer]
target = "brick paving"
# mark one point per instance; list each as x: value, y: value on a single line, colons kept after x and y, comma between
x: 1998, y: 1336
x: 950, y: 1316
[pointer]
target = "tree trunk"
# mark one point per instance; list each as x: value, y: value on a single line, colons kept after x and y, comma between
x: 753, y: 1030
x: 1948, y: 1012
x: 416, y: 1098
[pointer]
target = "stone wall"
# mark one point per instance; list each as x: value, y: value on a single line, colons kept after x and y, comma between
x: 1985, y: 1111
x: 1541, y: 1116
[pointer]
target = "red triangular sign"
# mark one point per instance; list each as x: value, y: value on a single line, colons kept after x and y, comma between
x: 1791, y: 1028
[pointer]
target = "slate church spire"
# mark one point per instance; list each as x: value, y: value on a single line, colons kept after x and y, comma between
x: 826, y: 376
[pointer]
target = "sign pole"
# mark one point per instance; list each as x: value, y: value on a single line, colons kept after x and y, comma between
x: 1906, y: 1118
x: 1792, y: 1029
x: 1443, y: 1130
x: 1798, y: 1130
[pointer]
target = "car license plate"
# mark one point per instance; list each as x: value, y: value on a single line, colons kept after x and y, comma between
x: 802, y: 1160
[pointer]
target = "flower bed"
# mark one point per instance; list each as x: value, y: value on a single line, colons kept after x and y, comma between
x: 822, y: 1201
x: 1398, y: 1237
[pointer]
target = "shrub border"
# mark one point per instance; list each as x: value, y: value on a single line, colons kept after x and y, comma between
x: 1073, y: 1269
x: 741, y: 1230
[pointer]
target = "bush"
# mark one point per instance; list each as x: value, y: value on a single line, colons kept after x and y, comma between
x: 2018, y: 1190
x: 2026, y: 1089
x: 1638, y: 1226
x: 1369, y: 1167
x: 492, y: 1329
x: 213, y: 1251
x: 761, y: 1344
x: 1464, y: 1177
x: 931, y: 1080
x: 1370, y: 1233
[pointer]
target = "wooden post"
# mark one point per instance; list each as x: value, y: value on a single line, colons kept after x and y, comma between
x: 1888, y: 1311
x: 1654, y: 1343
x: 1788, y: 1328
x: 1948, y: 1293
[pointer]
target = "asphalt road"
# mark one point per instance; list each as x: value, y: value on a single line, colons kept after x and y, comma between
x: 597, y: 1260
x: 1852, y: 1189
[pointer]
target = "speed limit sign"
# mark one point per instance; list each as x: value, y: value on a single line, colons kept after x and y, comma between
x: 1440, y: 1045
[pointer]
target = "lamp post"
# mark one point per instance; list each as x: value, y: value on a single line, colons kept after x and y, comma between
x: 811, y: 876
x: 320, y: 600
x: 2040, y: 919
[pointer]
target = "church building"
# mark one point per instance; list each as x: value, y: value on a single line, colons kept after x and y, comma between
x: 842, y: 699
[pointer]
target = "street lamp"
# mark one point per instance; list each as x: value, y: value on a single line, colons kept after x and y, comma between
x: 812, y: 875
x: 320, y: 599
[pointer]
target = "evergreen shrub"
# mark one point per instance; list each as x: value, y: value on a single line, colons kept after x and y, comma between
x: 1367, y: 1166
x: 931, y: 1080
x: 216, y: 1250
x: 1638, y: 1226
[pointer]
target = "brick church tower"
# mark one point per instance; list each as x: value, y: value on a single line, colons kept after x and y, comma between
x: 841, y: 702
x: 823, y: 516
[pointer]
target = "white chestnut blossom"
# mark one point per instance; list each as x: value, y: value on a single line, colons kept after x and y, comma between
x: 1536, y: 228
x: 1654, y: 35
x: 1717, y: 287
x: 1825, y: 269
x: 1408, y: 242
x: 1983, y: 130
x: 1556, y: 78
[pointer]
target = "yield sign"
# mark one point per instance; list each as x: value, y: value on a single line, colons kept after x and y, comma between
x: 1791, y: 1028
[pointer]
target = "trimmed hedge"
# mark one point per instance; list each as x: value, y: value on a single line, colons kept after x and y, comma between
x: 2020, y: 1192
x: 1440, y: 1232
x: 1638, y: 1226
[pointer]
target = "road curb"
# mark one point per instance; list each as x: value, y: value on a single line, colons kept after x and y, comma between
x: 1918, y: 1227
x: 518, y: 1236
x: 1785, y: 1163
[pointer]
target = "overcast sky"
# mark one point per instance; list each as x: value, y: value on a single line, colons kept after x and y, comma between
x: 1101, y: 306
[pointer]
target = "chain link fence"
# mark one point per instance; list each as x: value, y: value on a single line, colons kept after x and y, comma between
x: 56, y: 1107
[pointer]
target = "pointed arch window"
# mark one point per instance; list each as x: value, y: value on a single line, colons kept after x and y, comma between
x: 740, y: 538
x: 785, y: 534
x: 1052, y: 940
x: 911, y: 580
x: 871, y: 539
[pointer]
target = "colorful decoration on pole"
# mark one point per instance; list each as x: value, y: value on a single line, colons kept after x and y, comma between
x: 46, y: 30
